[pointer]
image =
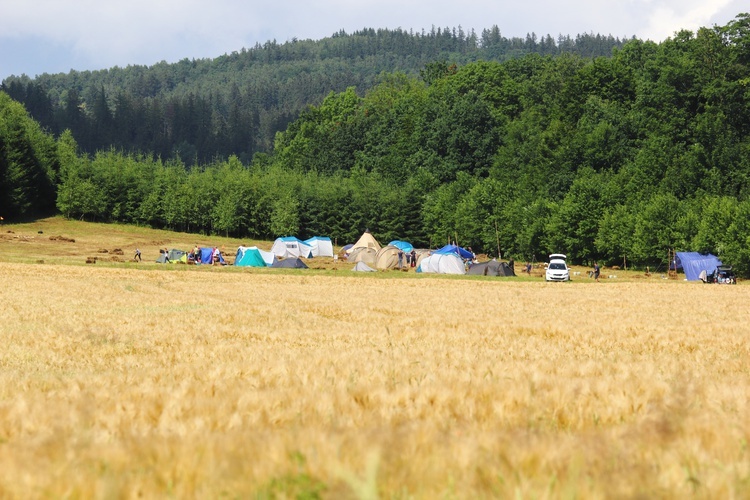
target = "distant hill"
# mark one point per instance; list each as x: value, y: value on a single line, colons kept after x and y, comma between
x: 235, y: 104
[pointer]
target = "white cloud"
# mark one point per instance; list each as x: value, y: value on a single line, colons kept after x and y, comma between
x: 105, y: 33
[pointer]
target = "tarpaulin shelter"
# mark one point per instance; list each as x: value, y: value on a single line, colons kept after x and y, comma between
x: 455, y: 249
x: 321, y: 246
x: 403, y: 245
x: 692, y: 263
x: 290, y: 246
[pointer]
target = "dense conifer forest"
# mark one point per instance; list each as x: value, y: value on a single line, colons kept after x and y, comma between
x: 205, y: 109
x: 613, y: 156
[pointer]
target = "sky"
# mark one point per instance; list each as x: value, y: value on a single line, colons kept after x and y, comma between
x: 57, y: 36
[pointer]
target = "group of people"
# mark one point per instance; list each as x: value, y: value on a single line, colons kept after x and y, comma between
x: 194, y: 256
x: 411, y: 258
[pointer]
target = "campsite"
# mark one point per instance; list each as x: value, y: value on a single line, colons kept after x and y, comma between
x: 151, y: 379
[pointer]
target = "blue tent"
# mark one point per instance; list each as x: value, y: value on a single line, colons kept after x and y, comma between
x: 404, y: 246
x: 253, y: 257
x: 207, y: 253
x: 693, y: 263
x: 455, y: 249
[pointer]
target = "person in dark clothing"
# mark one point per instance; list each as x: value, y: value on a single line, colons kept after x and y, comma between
x: 400, y: 259
x: 596, y: 271
x: 413, y: 258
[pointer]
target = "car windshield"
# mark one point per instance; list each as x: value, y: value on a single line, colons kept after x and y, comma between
x: 557, y: 266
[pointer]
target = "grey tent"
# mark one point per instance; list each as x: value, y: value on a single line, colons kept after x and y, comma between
x: 362, y: 267
x: 491, y: 268
x: 290, y: 263
x: 172, y: 256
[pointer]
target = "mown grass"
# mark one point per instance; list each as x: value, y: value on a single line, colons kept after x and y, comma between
x: 116, y: 381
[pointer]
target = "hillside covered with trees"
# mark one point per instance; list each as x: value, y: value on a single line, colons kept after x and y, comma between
x: 602, y: 158
x: 205, y: 109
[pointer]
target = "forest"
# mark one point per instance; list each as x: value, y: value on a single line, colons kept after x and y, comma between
x: 201, y: 110
x: 606, y: 157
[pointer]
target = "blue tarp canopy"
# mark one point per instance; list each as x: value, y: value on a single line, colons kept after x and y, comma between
x: 693, y: 263
x: 455, y: 249
x: 404, y: 246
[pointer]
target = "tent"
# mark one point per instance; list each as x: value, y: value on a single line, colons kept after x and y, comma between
x: 253, y: 257
x: 387, y: 258
x: 455, y: 249
x: 363, y: 268
x: 290, y: 246
x: 207, y: 254
x: 174, y: 255
x: 491, y: 268
x: 693, y: 263
x: 442, y: 263
x: 321, y: 246
x: 403, y: 245
x: 367, y: 240
x: 290, y: 263
x: 363, y: 254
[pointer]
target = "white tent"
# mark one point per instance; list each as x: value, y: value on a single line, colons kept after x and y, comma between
x: 442, y: 264
x: 290, y: 246
x: 321, y: 246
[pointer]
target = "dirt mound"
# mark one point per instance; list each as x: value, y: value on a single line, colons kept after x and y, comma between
x: 62, y: 238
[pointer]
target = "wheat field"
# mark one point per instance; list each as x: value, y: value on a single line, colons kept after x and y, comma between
x: 122, y: 382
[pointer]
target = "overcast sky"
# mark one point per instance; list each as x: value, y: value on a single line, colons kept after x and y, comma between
x: 53, y: 36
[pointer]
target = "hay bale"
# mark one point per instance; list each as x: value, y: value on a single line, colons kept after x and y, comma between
x: 118, y: 251
x: 103, y: 250
x: 90, y: 260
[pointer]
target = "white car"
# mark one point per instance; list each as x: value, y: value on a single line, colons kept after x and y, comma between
x: 557, y: 269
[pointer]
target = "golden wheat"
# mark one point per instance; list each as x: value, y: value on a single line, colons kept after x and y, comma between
x: 125, y: 382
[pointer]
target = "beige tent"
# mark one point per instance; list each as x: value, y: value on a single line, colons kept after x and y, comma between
x: 367, y: 240
x: 387, y: 258
x: 363, y: 254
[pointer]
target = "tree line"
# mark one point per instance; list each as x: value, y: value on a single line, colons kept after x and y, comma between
x: 199, y: 110
x: 610, y: 158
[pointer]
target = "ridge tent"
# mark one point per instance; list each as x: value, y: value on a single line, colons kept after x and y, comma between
x: 403, y: 245
x: 693, y: 263
x: 362, y: 267
x: 387, y: 258
x: 174, y: 256
x: 491, y: 268
x: 321, y: 246
x: 367, y: 240
x: 455, y: 249
x: 290, y: 263
x: 290, y: 246
x: 442, y: 263
x: 253, y: 257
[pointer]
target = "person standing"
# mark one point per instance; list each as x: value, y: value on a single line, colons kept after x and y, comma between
x: 413, y: 258
x: 137, y: 255
x: 596, y: 271
x: 400, y: 258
